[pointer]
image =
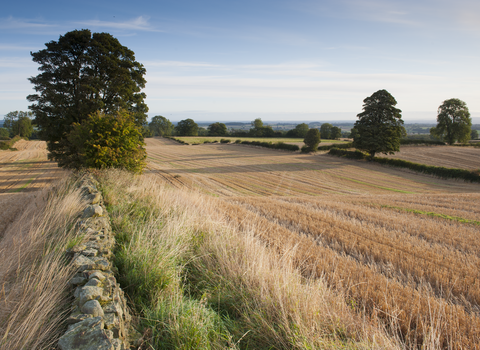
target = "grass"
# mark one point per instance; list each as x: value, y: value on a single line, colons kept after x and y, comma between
x: 432, y: 214
x: 196, y: 281
x: 34, y: 272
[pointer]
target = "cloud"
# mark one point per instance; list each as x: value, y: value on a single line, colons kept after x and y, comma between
x: 140, y: 23
x: 21, y: 23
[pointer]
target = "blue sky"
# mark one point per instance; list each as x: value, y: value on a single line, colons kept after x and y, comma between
x: 230, y: 60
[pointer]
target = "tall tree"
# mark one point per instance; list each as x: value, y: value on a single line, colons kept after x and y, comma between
x: 474, y: 134
x: 453, y: 121
x: 83, y: 73
x: 161, y: 126
x: 19, y: 123
x: 380, y: 126
x: 301, y: 130
x: 335, y: 133
x: 312, y: 139
x: 325, y: 130
x: 217, y: 129
x: 186, y: 127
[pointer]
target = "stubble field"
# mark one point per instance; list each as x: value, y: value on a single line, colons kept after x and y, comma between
x: 22, y: 174
x: 402, y: 248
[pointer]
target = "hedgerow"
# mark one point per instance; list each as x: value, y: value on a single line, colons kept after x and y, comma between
x: 276, y: 145
x: 442, y: 172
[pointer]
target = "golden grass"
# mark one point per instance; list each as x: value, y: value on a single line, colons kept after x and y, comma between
x: 34, y: 273
x: 361, y: 227
x: 270, y: 303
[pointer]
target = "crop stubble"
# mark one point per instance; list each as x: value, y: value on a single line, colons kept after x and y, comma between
x: 365, y: 228
x: 22, y: 174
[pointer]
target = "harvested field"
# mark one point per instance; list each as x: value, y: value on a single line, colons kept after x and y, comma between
x: 22, y: 174
x: 446, y: 156
x: 401, y: 247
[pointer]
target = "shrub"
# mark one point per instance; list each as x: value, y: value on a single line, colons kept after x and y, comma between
x: 225, y: 141
x: 238, y: 141
x: 341, y: 145
x: 312, y: 139
x: 105, y: 141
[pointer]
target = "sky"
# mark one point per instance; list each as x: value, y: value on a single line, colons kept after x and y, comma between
x: 237, y: 60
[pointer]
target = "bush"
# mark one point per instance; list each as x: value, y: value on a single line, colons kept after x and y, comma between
x: 312, y: 139
x: 106, y: 141
x: 225, y: 141
x: 277, y: 145
x: 238, y: 141
x: 421, y: 142
x: 341, y: 145
x: 347, y: 154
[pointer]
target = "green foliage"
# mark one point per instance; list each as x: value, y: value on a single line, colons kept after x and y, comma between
x: 7, y: 144
x: 446, y: 173
x: 335, y: 133
x: 217, y: 129
x: 83, y: 73
x: 259, y: 130
x: 161, y: 126
x: 146, y: 131
x: 325, y: 130
x: 421, y: 142
x: 353, y: 133
x: 299, y: 131
x: 312, y: 139
x: 186, y: 127
x: 338, y: 145
x: 474, y: 134
x: 19, y: 123
x: 277, y: 145
x: 380, y: 126
x: 225, y: 141
x: 4, y: 134
x: 453, y: 122
x: 105, y: 141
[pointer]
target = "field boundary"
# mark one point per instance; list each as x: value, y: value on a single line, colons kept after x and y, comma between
x: 442, y: 172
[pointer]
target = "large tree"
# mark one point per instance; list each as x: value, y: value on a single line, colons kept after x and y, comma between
x: 453, y: 122
x: 217, y: 129
x: 83, y: 73
x: 312, y: 139
x: 186, y: 127
x: 325, y: 131
x: 380, y: 126
x: 161, y: 126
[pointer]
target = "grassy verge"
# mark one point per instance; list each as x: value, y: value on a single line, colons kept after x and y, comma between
x: 197, y: 283
x: 442, y: 172
x: 433, y: 214
x: 34, y: 272
x: 4, y: 145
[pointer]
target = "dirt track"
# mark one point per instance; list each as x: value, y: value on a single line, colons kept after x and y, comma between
x: 22, y: 174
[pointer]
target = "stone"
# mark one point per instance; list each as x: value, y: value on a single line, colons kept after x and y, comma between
x: 77, y: 318
x: 90, y: 252
x: 89, y: 293
x: 93, y: 282
x: 94, y: 198
x: 97, y: 275
x: 92, y: 307
x: 82, y: 263
x: 111, y: 320
x: 93, y: 211
x: 86, y: 335
x: 117, y: 344
x: 77, y: 280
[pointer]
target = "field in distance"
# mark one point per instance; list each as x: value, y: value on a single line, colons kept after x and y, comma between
x: 203, y: 139
x: 446, y: 156
x: 402, y: 248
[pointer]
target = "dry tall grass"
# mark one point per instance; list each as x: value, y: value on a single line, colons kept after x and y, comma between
x: 34, y: 273
x: 267, y: 302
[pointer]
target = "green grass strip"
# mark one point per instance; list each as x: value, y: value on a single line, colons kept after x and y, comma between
x: 438, y: 215
x: 24, y: 186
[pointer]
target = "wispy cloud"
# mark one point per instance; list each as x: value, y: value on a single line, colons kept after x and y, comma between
x: 8, y: 47
x: 140, y: 23
x: 22, y: 23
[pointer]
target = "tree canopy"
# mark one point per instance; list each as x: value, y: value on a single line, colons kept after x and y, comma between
x: 325, y: 130
x: 453, y: 122
x: 105, y: 141
x: 335, y: 133
x: 379, y: 127
x: 83, y: 73
x: 19, y: 123
x: 186, y: 127
x: 217, y: 129
x: 312, y: 139
x: 161, y: 126
x: 474, y: 134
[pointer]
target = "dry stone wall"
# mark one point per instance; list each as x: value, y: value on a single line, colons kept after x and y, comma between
x: 99, y: 317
